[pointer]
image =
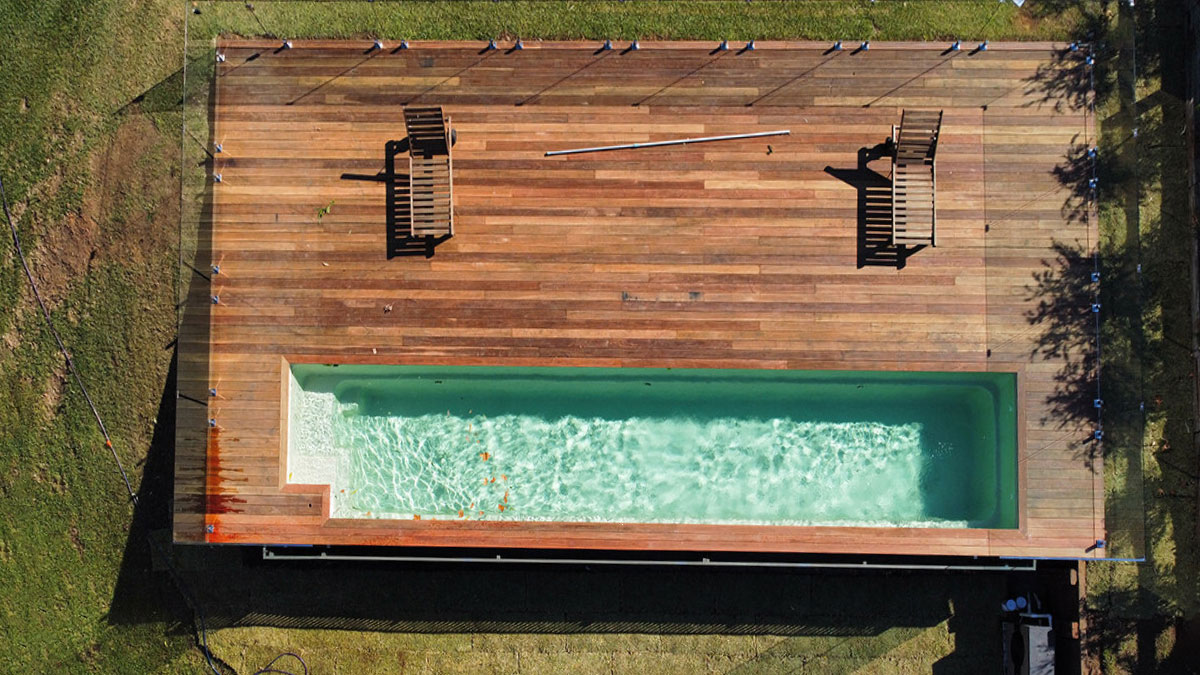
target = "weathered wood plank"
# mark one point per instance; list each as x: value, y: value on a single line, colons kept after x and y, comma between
x: 744, y: 254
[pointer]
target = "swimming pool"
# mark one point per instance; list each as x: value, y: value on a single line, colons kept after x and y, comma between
x: 769, y: 447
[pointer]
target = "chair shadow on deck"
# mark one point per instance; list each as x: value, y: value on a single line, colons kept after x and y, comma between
x: 400, y: 240
x: 875, y: 248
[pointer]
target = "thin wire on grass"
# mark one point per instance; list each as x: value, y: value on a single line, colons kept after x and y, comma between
x: 202, y: 632
x: 62, y: 348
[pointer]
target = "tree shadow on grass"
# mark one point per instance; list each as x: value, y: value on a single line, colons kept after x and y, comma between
x: 1066, y: 81
x: 1142, y: 615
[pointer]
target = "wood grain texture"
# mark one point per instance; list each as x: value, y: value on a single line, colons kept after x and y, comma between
x: 764, y: 253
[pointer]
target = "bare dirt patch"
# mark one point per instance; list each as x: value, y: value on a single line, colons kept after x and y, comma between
x: 129, y: 204
x: 52, y: 393
x: 127, y: 215
x: 1025, y: 20
x: 136, y: 191
x: 76, y: 540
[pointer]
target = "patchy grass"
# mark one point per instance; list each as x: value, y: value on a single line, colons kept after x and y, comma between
x: 488, y: 619
x: 898, y: 650
x: 92, y: 189
x: 1146, y: 617
x: 91, y: 167
x: 646, y: 19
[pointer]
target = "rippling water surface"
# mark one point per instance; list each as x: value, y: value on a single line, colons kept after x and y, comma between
x: 655, y: 445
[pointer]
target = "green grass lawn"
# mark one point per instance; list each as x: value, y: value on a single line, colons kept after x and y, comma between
x: 1147, y: 616
x: 646, y: 19
x: 93, y: 171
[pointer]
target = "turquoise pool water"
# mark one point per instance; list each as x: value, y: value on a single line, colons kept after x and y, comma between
x: 658, y: 445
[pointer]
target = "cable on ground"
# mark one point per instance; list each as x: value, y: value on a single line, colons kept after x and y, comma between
x: 197, y: 612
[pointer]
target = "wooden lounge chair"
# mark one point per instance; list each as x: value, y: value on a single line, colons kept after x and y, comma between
x: 430, y: 172
x: 914, y: 184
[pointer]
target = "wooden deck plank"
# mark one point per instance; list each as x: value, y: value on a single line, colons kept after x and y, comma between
x: 732, y: 255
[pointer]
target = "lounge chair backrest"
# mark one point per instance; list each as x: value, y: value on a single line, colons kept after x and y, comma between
x: 430, y: 172
x: 918, y: 135
x: 914, y: 180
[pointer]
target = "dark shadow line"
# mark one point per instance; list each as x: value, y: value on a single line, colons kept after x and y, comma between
x: 192, y: 63
x: 252, y: 57
x: 202, y: 275
x: 683, y: 77
x: 192, y: 399
x: 370, y: 55
x: 589, y: 64
x: 199, y: 143
x: 250, y: 8
x: 794, y: 79
x: 912, y: 79
x: 1006, y: 93
x: 380, y: 177
x: 487, y: 54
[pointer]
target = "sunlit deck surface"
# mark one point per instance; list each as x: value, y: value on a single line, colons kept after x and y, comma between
x: 768, y: 253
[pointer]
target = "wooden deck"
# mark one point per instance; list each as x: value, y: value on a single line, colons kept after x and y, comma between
x: 768, y: 253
